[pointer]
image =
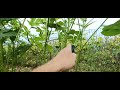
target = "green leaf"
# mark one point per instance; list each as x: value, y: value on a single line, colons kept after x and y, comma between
x: 39, y: 39
x: 51, y: 25
x: 12, y: 38
x: 5, y: 19
x: 22, y: 49
x: 52, y: 20
x: 61, y: 28
x: 35, y: 21
x: 112, y: 30
x: 84, y: 19
x: 70, y: 37
x: 40, y: 45
x: 60, y: 23
x: 6, y: 30
x: 32, y: 20
x: 49, y: 47
x: 38, y: 30
x: 76, y: 32
x: 9, y: 34
x: 71, y: 32
x: 38, y: 21
x: 75, y: 37
x: 100, y: 39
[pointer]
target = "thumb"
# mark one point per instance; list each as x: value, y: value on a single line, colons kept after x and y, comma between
x: 74, y: 55
x: 69, y: 47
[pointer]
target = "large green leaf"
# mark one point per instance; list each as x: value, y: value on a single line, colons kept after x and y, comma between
x: 22, y: 49
x: 35, y: 21
x: 8, y: 34
x: 32, y: 20
x: 13, y: 37
x: 5, y: 19
x: 112, y: 30
x: 6, y: 30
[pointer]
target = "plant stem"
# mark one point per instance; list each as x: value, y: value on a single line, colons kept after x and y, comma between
x: 95, y: 32
x: 68, y: 26
x: 47, y: 22
x: 72, y: 23
x: 59, y: 37
x: 21, y: 24
x: 1, y: 54
x: 13, y: 56
x: 1, y: 49
x: 89, y: 21
x: 81, y: 37
x: 66, y: 32
x: 79, y: 32
x: 79, y: 52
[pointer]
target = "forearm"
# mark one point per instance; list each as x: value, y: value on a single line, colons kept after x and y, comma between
x: 51, y: 66
x: 64, y: 60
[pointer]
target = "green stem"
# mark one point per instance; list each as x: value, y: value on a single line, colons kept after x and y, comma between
x: 66, y: 32
x: 79, y: 52
x: 1, y: 48
x: 72, y: 23
x: 95, y: 32
x: 49, y: 33
x: 59, y: 37
x: 47, y: 22
x: 79, y: 32
x: 89, y: 21
x: 68, y: 29
x: 1, y: 54
x: 81, y: 37
x: 21, y: 25
x: 13, y: 56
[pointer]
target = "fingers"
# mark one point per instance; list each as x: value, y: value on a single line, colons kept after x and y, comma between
x: 68, y: 48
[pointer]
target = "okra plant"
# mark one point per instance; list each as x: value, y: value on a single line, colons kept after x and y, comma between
x: 19, y: 47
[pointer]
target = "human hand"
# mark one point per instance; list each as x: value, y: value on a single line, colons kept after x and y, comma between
x: 66, y: 58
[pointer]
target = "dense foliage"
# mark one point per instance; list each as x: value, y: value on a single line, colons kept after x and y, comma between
x: 21, y: 50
